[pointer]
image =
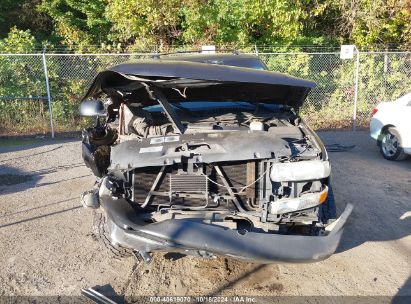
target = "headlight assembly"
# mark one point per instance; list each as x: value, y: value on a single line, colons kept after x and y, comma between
x: 300, y: 171
x: 305, y: 201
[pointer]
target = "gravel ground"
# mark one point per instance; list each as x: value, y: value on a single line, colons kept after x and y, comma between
x: 48, y: 248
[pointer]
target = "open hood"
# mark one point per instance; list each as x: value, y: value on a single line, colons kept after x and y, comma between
x: 182, y: 81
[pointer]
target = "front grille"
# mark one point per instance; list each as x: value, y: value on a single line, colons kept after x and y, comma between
x: 236, y: 174
x: 178, y: 182
x: 143, y: 181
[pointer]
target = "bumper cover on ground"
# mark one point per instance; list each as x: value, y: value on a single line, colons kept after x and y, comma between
x: 195, y: 236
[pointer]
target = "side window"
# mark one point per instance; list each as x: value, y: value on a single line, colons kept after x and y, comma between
x: 409, y: 104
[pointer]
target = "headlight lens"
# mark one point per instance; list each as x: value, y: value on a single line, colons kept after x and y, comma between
x: 300, y: 171
x: 305, y: 201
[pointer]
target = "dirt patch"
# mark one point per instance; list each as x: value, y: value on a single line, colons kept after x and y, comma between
x: 190, y: 276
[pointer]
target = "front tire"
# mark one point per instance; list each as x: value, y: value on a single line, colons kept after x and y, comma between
x: 391, y: 145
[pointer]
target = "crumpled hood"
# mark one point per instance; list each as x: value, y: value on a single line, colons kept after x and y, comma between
x: 192, y: 81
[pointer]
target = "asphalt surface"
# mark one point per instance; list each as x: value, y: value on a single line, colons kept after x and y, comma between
x: 48, y: 247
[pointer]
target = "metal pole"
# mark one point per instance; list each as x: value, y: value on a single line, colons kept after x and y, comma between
x: 357, y: 68
x: 256, y: 49
x: 46, y: 75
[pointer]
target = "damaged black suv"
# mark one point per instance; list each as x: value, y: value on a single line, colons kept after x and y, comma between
x: 206, y: 155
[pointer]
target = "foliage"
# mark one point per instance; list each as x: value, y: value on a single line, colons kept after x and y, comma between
x: 115, y: 25
x: 371, y: 23
x: 80, y: 24
x: 163, y: 23
x: 145, y: 23
x: 18, y: 41
x: 242, y: 21
x: 24, y: 15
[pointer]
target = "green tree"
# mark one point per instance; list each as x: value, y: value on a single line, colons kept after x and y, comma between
x: 145, y: 23
x: 381, y: 23
x: 23, y: 14
x: 18, y: 41
x: 164, y: 23
x: 81, y: 24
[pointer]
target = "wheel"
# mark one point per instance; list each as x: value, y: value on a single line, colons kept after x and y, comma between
x: 100, y: 231
x: 391, y: 146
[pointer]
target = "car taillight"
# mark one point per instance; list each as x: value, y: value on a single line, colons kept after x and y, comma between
x: 374, y: 111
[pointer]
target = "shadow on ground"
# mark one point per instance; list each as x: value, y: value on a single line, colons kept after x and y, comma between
x: 379, y: 189
x: 15, y: 180
x: 404, y: 291
x: 14, y: 145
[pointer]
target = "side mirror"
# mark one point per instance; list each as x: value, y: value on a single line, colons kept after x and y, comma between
x: 92, y: 108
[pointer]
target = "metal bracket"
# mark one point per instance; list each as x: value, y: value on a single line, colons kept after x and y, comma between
x: 171, y: 114
x: 264, y: 212
x: 154, y: 187
x: 142, y: 256
x: 229, y: 189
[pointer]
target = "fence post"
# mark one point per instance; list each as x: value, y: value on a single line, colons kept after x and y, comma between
x: 46, y: 75
x: 357, y: 68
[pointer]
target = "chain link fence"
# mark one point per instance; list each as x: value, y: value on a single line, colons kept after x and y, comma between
x: 25, y: 108
x: 22, y: 93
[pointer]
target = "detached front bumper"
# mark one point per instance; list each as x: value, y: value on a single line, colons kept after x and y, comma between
x: 192, y: 236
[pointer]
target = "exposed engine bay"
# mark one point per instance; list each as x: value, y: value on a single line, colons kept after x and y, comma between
x: 179, y: 179
x: 245, y: 167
